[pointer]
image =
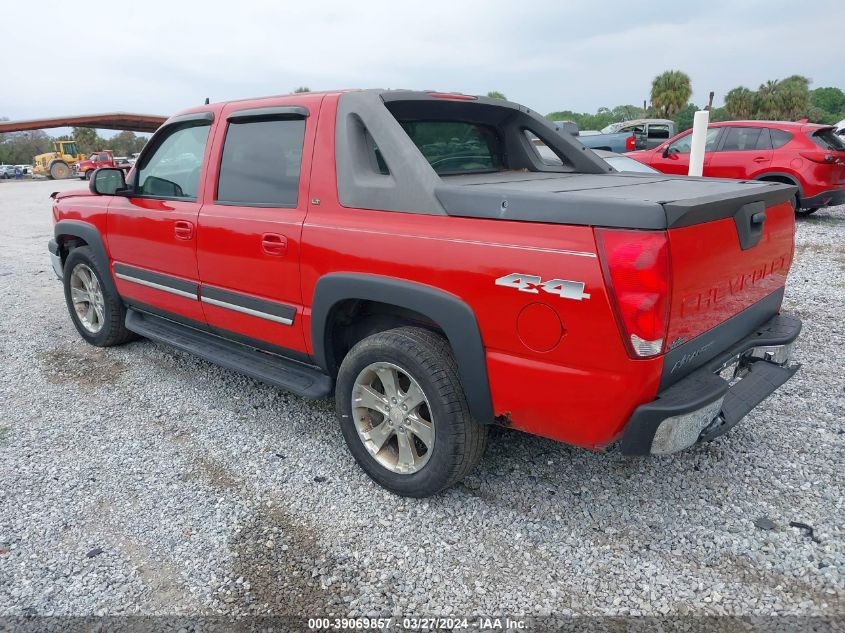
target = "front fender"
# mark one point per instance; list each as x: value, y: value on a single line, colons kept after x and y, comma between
x: 451, y: 314
x: 89, y: 234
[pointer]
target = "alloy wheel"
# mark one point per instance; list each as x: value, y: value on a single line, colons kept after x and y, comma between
x: 393, y: 417
x: 87, y: 297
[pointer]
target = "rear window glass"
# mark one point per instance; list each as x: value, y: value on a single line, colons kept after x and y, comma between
x: 780, y: 138
x: 456, y: 147
x: 826, y: 139
x: 261, y: 161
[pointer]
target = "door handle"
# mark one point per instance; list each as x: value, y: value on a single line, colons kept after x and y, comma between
x: 274, y: 244
x: 760, y: 159
x: 183, y: 229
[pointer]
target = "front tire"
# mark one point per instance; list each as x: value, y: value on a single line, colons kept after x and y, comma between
x: 403, y: 412
x: 98, y: 313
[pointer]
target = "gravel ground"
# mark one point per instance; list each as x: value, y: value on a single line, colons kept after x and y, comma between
x: 140, y: 480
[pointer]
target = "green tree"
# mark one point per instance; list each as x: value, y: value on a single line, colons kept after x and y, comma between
x: 302, y: 89
x: 584, y: 120
x: 683, y: 119
x: 495, y: 94
x: 766, y: 101
x: 793, y: 97
x: 719, y: 114
x: 87, y: 140
x: 19, y: 148
x: 626, y: 112
x: 739, y: 102
x: 817, y: 115
x: 828, y: 99
x: 670, y: 92
x: 125, y: 143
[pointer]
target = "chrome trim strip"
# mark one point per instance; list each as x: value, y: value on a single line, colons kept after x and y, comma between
x: 249, y: 311
x: 151, y: 284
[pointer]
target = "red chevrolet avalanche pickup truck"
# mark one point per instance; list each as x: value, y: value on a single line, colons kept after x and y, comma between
x: 413, y: 254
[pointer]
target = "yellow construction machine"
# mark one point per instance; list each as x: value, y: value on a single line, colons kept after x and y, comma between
x: 59, y: 163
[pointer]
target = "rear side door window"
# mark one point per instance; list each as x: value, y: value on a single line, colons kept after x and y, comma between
x: 261, y: 162
x: 658, y: 132
x: 738, y: 139
x: 173, y: 168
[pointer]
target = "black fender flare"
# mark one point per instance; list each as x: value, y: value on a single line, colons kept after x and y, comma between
x: 451, y: 314
x: 91, y: 236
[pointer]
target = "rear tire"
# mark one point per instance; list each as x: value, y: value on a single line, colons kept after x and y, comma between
x: 806, y: 212
x: 418, y: 437
x: 97, y: 313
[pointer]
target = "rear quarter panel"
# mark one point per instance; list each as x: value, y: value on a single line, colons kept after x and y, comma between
x: 581, y: 391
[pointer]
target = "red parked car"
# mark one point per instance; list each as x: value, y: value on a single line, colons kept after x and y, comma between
x: 414, y: 255
x: 809, y: 156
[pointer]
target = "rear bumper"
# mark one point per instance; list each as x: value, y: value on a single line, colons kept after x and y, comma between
x: 715, y: 397
x: 831, y: 198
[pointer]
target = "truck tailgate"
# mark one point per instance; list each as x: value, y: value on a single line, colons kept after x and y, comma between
x: 714, y: 278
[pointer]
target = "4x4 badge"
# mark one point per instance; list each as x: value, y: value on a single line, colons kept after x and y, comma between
x: 533, y: 284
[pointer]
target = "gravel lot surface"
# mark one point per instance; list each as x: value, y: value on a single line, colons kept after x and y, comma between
x: 142, y: 480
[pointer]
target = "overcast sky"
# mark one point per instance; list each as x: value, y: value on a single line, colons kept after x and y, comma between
x: 157, y: 57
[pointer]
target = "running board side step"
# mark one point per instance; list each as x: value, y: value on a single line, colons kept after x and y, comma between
x: 275, y: 370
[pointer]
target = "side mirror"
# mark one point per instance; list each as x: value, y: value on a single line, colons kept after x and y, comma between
x: 666, y: 152
x: 106, y: 181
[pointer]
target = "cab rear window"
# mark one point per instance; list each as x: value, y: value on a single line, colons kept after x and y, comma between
x: 456, y: 147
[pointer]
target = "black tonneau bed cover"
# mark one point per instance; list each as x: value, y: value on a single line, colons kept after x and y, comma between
x: 642, y: 201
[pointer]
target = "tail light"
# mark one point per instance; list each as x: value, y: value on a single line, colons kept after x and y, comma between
x: 637, y: 273
x: 820, y: 157
x: 630, y: 143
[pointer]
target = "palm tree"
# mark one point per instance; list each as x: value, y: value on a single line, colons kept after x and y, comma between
x: 670, y: 92
x: 793, y: 97
x: 740, y: 103
x: 766, y: 104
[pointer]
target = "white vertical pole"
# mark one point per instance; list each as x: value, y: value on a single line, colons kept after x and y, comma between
x: 699, y: 139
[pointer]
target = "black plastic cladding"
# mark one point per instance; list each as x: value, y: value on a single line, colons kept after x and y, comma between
x: 453, y: 316
x: 91, y: 236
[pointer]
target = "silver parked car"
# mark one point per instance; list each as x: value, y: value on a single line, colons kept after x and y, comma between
x: 7, y: 171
